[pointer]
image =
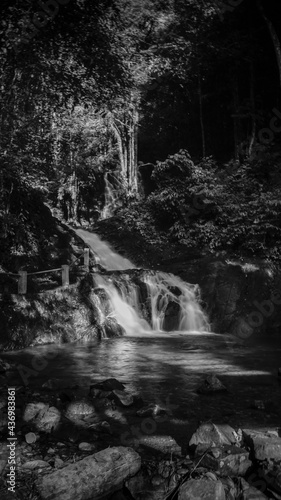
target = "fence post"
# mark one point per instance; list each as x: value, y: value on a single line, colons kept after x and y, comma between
x: 22, y: 283
x: 86, y: 259
x: 65, y: 275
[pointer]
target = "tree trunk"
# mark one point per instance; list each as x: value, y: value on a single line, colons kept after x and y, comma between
x: 274, y: 37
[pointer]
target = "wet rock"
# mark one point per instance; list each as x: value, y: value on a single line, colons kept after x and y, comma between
x: 249, y: 492
x: 92, y: 477
x: 214, y: 435
x: 58, y: 462
x: 78, y: 409
x: 32, y: 410
x: 123, y: 398
x: 232, y: 461
x: 112, y: 328
x: 265, y: 446
x: 86, y: 447
x: 35, y: 464
x: 206, y: 489
x: 30, y: 437
x: 49, y: 420
x: 211, y: 385
x: 110, y: 384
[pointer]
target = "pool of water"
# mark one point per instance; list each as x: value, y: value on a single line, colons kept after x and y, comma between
x: 167, y: 368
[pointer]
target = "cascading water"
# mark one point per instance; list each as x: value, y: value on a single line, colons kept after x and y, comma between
x: 111, y: 195
x: 142, y: 300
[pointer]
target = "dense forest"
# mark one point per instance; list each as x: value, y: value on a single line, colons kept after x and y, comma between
x: 167, y: 114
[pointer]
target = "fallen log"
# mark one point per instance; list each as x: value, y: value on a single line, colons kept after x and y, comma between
x: 92, y: 477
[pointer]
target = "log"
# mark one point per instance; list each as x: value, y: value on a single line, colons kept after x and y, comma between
x: 93, y: 477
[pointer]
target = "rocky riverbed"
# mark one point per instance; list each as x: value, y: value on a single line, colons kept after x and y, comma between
x: 99, y: 442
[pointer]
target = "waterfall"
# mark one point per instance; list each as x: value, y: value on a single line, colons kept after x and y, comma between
x: 142, y: 301
x: 163, y: 303
x: 111, y: 194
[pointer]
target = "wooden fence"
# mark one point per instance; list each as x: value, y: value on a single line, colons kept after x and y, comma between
x: 22, y: 275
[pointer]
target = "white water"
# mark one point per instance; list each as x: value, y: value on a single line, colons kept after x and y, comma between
x: 112, y: 195
x: 171, y: 304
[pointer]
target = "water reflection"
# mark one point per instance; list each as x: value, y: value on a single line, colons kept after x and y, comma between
x: 163, y: 365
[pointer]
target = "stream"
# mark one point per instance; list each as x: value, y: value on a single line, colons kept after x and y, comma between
x: 163, y: 366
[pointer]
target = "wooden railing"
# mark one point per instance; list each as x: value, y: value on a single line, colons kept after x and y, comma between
x: 22, y: 275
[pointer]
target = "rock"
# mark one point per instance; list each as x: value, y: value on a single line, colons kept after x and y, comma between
x: 30, y: 437
x: 58, y: 463
x: 250, y: 492
x: 109, y: 384
x: 86, y: 447
x: 35, y: 464
x: 49, y: 420
x: 92, y: 477
x: 32, y: 410
x: 112, y: 328
x: 79, y: 409
x: 123, y: 398
x: 265, y: 446
x: 203, y: 489
x: 214, y: 435
x: 211, y: 385
x: 233, y: 461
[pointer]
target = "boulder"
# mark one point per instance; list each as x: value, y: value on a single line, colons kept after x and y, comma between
x: 203, y: 489
x: 272, y: 477
x: 45, y: 418
x: 210, y: 434
x: 231, y: 462
x: 266, y: 446
x: 92, y: 477
x: 211, y: 385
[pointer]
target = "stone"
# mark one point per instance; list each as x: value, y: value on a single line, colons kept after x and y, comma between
x: 250, y: 492
x: 35, y: 464
x: 30, y: 437
x: 49, y: 420
x: 92, y: 477
x: 214, y: 435
x: 86, y: 446
x: 203, y: 489
x: 265, y: 446
x: 123, y: 398
x: 78, y: 409
x: 58, y: 462
x: 32, y: 410
x: 211, y: 385
x: 232, y: 462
